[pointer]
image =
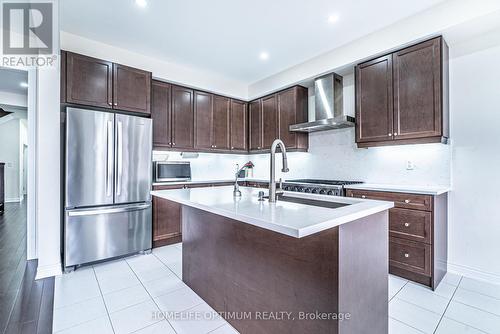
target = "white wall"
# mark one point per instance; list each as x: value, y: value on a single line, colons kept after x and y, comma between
x: 474, y: 222
x: 192, y: 77
x: 9, y: 154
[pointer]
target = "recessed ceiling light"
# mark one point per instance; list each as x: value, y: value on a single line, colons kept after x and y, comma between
x: 264, y: 56
x: 333, y: 18
x: 23, y: 84
x: 141, y: 3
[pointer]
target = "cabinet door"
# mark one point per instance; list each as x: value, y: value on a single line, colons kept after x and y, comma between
x: 374, y: 100
x: 132, y: 89
x: 238, y: 126
x: 182, y: 117
x: 269, y: 120
x: 292, y: 109
x: 167, y: 223
x: 220, y: 135
x: 417, y: 91
x: 89, y: 81
x: 255, y: 125
x: 161, y: 114
x: 203, y: 116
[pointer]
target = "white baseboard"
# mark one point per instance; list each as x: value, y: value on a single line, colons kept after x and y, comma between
x: 13, y: 200
x: 474, y: 273
x: 48, y: 271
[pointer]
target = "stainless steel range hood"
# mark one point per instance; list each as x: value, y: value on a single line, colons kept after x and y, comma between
x: 329, y: 106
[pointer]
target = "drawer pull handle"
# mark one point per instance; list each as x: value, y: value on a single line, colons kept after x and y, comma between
x: 363, y: 196
x: 407, y: 201
x: 407, y: 224
x: 407, y: 255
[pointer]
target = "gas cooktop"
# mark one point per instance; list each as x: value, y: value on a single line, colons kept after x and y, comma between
x: 317, y: 186
x: 325, y: 182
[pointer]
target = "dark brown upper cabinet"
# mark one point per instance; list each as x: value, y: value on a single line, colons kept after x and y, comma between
x: 270, y: 130
x: 374, y: 100
x: 161, y: 108
x: 99, y: 83
x: 402, y: 98
x: 89, y: 81
x: 182, y: 117
x: 292, y: 109
x: 203, y: 120
x: 131, y: 89
x: 239, y: 126
x: 220, y: 123
x: 255, y: 122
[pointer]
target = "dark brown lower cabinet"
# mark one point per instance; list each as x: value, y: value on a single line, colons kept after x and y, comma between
x: 418, y: 234
x: 2, y: 187
x: 167, y: 217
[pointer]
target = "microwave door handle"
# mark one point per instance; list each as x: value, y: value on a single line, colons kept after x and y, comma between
x: 109, y: 159
x: 119, y: 158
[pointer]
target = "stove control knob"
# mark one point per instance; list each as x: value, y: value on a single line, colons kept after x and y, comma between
x: 322, y: 191
x: 315, y: 191
x: 308, y: 190
x: 295, y: 189
x: 302, y: 189
x: 330, y: 192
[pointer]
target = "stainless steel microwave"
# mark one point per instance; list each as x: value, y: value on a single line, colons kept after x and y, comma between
x: 171, y: 171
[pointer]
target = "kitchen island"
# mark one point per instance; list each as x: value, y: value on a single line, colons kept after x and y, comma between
x: 305, y: 264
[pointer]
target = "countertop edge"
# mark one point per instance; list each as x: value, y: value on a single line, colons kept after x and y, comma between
x: 420, y: 190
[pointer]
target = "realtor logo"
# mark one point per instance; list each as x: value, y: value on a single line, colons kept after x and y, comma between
x: 27, y: 28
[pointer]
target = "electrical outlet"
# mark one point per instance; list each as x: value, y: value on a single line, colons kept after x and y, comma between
x: 410, y: 165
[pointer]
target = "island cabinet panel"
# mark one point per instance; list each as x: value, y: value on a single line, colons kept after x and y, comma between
x: 220, y: 126
x: 418, y: 230
x: 161, y: 114
x: 292, y: 109
x: 203, y: 120
x: 89, y: 81
x: 2, y: 188
x: 131, y: 89
x: 182, y: 117
x: 255, y: 110
x: 166, y: 219
x: 402, y: 98
x: 238, y: 267
x: 99, y: 83
x: 239, y: 126
x: 269, y: 121
x: 374, y: 100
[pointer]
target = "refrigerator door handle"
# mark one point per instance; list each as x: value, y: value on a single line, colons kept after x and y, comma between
x: 109, y: 159
x: 93, y: 212
x: 119, y: 159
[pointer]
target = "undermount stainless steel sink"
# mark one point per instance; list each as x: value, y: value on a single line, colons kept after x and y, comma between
x: 310, y: 201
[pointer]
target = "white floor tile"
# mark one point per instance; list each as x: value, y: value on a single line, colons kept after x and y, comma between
x: 119, y: 280
x: 164, y: 285
x: 144, y: 262
x: 121, y: 299
x: 98, y: 326
x: 197, y: 320
x: 473, y: 317
x: 154, y: 273
x: 114, y: 266
x: 168, y: 254
x: 74, y: 288
x: 477, y: 300
x: 449, y: 326
x: 178, y: 301
x: 162, y: 327
x: 176, y: 267
x: 226, y: 329
x: 395, y: 285
x: 423, y: 297
x: 482, y: 287
x: 414, y: 316
x: 445, y: 290
x: 134, y: 318
x: 397, y: 327
x: 452, y: 278
x: 179, y: 245
x: 76, y: 314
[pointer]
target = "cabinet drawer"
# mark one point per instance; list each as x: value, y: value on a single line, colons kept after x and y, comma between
x: 410, y: 255
x: 410, y: 224
x: 401, y: 200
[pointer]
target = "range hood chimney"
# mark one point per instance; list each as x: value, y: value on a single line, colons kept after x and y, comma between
x: 329, y: 106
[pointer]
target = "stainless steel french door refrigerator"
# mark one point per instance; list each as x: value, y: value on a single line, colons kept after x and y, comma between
x: 107, y: 186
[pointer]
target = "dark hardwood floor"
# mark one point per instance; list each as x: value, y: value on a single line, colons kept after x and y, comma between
x: 26, y: 305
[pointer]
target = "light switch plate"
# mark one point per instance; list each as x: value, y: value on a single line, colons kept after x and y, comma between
x: 410, y: 165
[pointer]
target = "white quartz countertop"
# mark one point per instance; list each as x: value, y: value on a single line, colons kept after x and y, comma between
x: 293, y: 219
x: 424, y: 190
x: 202, y: 181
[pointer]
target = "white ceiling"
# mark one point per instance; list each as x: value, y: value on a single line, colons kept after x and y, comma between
x: 10, y: 81
x: 227, y: 36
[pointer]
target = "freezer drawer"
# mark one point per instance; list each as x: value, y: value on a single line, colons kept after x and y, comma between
x: 101, y: 233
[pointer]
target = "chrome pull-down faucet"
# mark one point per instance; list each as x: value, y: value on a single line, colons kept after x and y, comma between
x: 272, y: 182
